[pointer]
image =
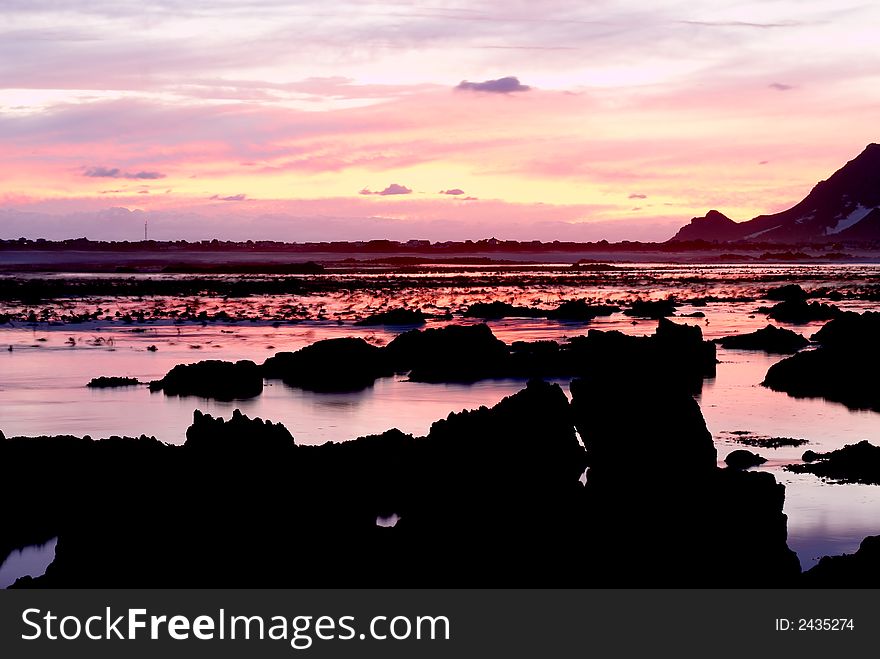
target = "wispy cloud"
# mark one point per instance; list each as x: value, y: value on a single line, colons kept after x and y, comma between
x: 115, y: 172
x: 235, y: 197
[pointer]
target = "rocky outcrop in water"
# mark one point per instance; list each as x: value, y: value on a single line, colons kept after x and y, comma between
x: 801, y: 311
x: 771, y: 339
x: 651, y: 309
x: 843, y: 369
x: 212, y: 379
x: 346, y: 364
x: 854, y: 463
x: 581, y: 310
x: 742, y: 459
x: 498, y: 310
x: 108, y: 382
x: 455, y: 353
x: 787, y: 293
x: 402, y: 317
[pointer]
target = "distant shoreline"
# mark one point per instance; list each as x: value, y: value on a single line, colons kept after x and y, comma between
x: 314, y: 258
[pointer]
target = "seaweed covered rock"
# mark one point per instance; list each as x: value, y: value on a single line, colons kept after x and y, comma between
x: 771, y: 339
x: 394, y: 317
x: 108, y: 382
x: 212, y: 379
x: 854, y: 463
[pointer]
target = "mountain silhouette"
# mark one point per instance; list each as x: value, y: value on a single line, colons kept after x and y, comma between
x: 845, y: 207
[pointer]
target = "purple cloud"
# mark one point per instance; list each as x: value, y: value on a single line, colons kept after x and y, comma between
x: 453, y: 191
x: 636, y: 195
x: 500, y: 86
x: 392, y: 189
x: 780, y: 86
x: 115, y: 172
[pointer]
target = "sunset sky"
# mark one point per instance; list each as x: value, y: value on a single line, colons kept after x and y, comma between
x: 306, y: 120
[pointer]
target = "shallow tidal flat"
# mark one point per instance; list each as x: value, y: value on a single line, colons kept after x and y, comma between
x: 54, y: 347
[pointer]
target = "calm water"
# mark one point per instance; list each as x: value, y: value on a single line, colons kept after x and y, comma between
x: 42, y: 380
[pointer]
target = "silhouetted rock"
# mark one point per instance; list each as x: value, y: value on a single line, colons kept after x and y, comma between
x: 65, y: 484
x: 653, y: 474
x: 263, y: 507
x: 843, y: 369
x: 858, y: 570
x: 851, y: 331
x: 651, y: 309
x: 240, y: 435
x: 742, y: 459
x: 104, y: 382
x: 674, y: 352
x: 787, y: 293
x: 346, y: 364
x: 497, y: 310
x: 455, y: 353
x: 212, y: 379
x: 580, y: 310
x: 772, y: 339
x: 800, y: 311
x: 394, y: 317
x: 854, y: 463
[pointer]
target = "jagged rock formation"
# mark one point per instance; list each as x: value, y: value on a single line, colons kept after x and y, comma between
x: 490, y: 497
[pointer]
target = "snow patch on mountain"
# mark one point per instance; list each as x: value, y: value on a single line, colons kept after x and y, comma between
x: 758, y: 233
x: 852, y: 219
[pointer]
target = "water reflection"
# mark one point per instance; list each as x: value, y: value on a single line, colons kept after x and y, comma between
x: 28, y: 561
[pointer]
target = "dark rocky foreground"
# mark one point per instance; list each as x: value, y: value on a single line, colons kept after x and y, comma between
x: 491, y: 497
x: 454, y: 353
x: 858, y: 570
x: 843, y: 368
